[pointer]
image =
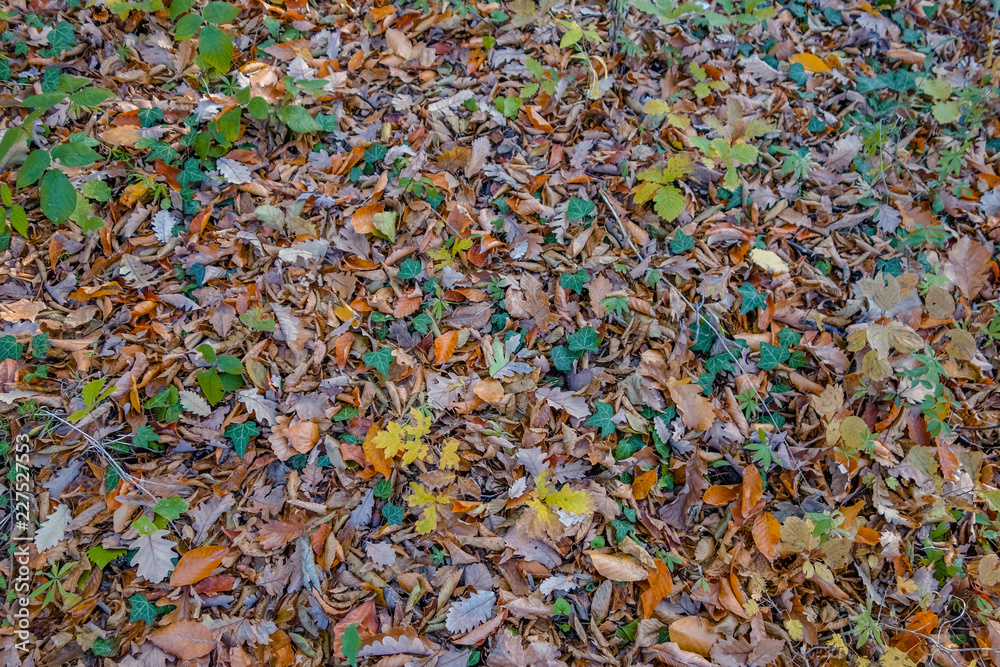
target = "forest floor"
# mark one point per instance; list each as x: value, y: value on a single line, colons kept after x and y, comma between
x: 441, y: 333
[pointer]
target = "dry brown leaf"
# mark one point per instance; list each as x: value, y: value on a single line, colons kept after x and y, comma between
x: 186, y: 640
x: 696, y: 410
x: 617, y: 567
x: 197, y: 564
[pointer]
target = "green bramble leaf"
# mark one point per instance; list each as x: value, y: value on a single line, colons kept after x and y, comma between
x: 241, y: 434
x: 33, y: 168
x: 215, y: 46
x: 57, y: 196
x: 298, y: 119
x: 602, y: 418
x: 220, y: 13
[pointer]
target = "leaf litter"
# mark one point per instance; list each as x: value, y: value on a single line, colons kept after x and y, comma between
x: 509, y: 333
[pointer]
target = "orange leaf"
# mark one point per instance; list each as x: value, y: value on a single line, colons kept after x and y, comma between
x: 810, y: 62
x: 407, y: 305
x: 643, y: 484
x: 720, y: 494
x: 767, y: 534
x: 489, y: 390
x: 375, y: 455
x: 363, y: 219
x: 867, y: 535
x: 444, y: 346
x: 660, y: 585
x: 753, y: 490
x: 197, y: 564
x: 185, y: 639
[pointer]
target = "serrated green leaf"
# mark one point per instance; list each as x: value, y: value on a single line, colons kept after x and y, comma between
x: 220, y: 13
x: 44, y: 101
x: 100, y: 556
x: 668, y: 202
x: 254, y: 319
x: 228, y: 363
x: 96, y: 190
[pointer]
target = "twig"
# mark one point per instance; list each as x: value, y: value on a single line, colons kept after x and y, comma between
x: 628, y: 237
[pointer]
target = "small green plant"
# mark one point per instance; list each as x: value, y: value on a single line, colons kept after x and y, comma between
x: 215, y: 45
x: 224, y: 374
x: 578, y: 38
x: 53, y: 586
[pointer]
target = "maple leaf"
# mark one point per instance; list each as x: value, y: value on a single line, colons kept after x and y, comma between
x: 449, y: 455
x: 154, y: 556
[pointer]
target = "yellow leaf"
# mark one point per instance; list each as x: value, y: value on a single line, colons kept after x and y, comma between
x: 810, y: 62
x: 420, y: 496
x: 428, y: 520
x: 569, y: 501
x: 390, y: 440
x: 655, y: 107
x: 449, y: 455
x: 795, y: 629
x: 420, y: 426
x: 768, y: 261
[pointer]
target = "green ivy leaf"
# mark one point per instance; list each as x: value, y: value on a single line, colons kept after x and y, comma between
x: 602, y: 418
x: 752, y: 299
x: 241, y: 434
x: 57, y: 196
x: 409, y: 269
x: 789, y: 337
x: 171, y: 508
x: 771, y: 356
x: 393, y: 514
x: 141, y: 609
x: 10, y: 348
x: 33, y: 168
x: 562, y: 359
x: 383, y: 489
x: 681, y: 242
x: 583, y: 340
x: 215, y: 46
x: 40, y: 345
x: 579, y: 209
x: 375, y: 152
x: 145, y: 438
x: 574, y: 281
x: 380, y: 360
